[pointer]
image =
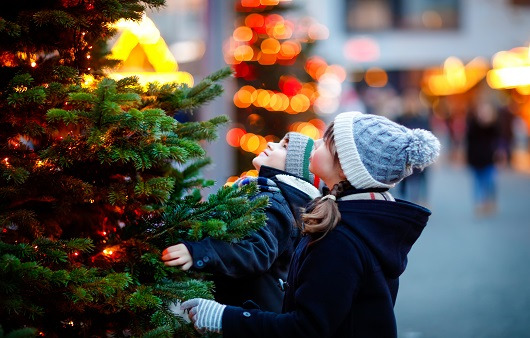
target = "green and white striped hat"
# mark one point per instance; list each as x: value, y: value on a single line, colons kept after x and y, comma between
x: 298, y: 152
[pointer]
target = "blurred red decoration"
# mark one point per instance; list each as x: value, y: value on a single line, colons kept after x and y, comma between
x: 289, y: 85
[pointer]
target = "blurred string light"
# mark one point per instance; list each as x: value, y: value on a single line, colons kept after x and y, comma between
x: 295, y: 96
x: 511, y: 70
x: 263, y: 39
x: 140, y: 47
x: 454, y: 77
x: 281, y: 42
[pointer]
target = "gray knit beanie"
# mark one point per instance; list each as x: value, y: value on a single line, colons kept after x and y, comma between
x: 298, y: 152
x: 375, y: 152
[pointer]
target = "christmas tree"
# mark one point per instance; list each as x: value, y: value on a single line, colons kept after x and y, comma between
x: 97, y: 177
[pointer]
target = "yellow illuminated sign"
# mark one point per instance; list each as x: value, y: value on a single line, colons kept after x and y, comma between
x: 145, y: 54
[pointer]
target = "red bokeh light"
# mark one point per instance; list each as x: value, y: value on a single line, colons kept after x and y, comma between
x: 233, y: 136
x: 289, y: 85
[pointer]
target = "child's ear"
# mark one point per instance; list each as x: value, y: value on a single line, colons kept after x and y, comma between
x: 342, y: 175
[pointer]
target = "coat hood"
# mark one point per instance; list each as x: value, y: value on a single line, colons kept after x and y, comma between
x: 389, y: 229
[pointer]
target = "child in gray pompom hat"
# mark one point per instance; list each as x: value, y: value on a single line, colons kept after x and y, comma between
x: 375, y: 152
x: 344, y: 275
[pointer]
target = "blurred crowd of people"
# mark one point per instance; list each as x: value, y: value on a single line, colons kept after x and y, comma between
x: 479, y: 131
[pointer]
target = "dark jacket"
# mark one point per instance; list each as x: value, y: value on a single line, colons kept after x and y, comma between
x: 482, y: 141
x: 249, y: 269
x: 344, y: 285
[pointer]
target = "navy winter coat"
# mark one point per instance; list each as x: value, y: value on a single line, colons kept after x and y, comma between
x: 344, y: 285
x: 249, y: 269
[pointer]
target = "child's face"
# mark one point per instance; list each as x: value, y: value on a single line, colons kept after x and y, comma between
x: 273, y: 156
x: 323, y: 164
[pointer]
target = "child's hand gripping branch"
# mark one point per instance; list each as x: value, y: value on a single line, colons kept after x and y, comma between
x: 177, y: 255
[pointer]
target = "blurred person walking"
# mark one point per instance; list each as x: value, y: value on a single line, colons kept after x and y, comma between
x: 414, y: 115
x: 482, y: 142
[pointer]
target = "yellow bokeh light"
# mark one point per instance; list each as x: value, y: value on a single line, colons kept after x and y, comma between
x: 300, y: 103
x: 243, y: 53
x: 282, y: 31
x: 252, y: 143
x: 263, y: 98
x: 511, y: 69
x: 455, y: 72
x: 509, y: 77
x: 310, y: 130
x: 454, y: 77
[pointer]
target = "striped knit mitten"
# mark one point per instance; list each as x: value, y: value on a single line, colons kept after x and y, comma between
x: 205, y: 314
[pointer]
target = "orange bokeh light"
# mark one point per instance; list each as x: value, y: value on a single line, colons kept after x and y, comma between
x: 250, y: 3
x: 242, y: 33
x: 316, y: 66
x: 270, y: 46
x: 376, y: 77
x: 266, y: 59
x: 254, y: 20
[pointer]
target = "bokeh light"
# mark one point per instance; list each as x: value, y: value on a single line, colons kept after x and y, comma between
x: 270, y: 46
x: 376, y: 77
x: 234, y: 135
x: 242, y: 33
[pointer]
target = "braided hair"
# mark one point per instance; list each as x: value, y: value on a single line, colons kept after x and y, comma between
x: 322, y: 214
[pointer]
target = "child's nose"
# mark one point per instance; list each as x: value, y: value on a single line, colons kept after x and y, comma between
x: 272, y: 145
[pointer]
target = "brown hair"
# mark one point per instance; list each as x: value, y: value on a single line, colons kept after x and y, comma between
x: 322, y: 215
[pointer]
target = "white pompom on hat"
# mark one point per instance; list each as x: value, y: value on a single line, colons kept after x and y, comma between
x: 375, y: 152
